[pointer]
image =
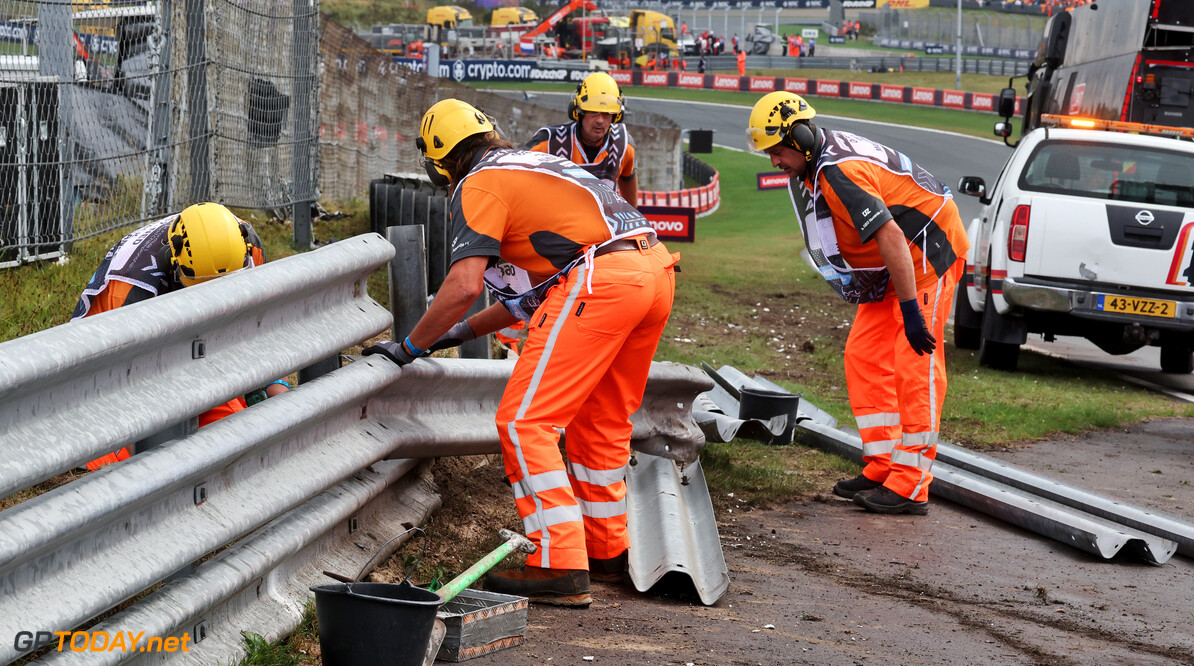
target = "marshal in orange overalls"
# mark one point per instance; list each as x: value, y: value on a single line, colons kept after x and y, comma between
x: 589, y: 347
x: 896, y: 394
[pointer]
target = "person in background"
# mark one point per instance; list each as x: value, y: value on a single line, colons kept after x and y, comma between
x: 701, y: 64
x: 203, y: 242
x: 886, y: 235
x: 602, y: 294
x: 742, y: 63
x: 595, y: 138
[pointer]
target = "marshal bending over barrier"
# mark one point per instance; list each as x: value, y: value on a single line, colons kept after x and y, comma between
x: 604, y: 293
x: 886, y: 235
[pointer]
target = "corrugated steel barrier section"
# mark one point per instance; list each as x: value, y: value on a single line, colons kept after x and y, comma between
x: 270, y: 496
x: 672, y: 527
x: 1084, y: 531
x: 1059, y: 511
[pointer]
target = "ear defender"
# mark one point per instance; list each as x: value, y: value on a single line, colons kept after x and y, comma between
x: 438, y: 176
x: 804, y: 138
x: 574, y: 111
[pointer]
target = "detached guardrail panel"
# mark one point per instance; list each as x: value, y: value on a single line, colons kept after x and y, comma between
x: 162, y: 361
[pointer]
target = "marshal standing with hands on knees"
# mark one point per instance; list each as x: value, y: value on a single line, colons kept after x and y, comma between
x: 886, y: 235
x: 602, y: 292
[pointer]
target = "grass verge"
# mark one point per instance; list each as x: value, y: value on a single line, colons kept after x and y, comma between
x: 300, y: 647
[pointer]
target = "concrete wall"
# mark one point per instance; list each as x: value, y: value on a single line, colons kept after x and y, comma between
x: 370, y: 110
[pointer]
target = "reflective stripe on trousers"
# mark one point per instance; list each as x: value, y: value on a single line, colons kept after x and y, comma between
x: 583, y: 368
x: 896, y: 395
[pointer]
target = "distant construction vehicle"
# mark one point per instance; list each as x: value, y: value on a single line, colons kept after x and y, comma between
x: 537, y: 36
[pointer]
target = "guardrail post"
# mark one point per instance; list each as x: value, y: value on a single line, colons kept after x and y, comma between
x: 479, y: 348
x: 408, y: 278
x: 319, y: 369
x: 176, y: 431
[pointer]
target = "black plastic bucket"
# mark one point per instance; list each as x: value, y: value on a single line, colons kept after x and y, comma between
x: 765, y: 405
x: 363, y: 624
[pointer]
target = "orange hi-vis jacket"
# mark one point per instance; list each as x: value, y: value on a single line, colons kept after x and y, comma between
x: 536, y: 211
x: 613, y: 160
x: 589, y: 344
x: 895, y: 393
x: 858, y: 185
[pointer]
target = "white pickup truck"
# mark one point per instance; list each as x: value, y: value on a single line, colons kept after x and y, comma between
x: 1088, y: 233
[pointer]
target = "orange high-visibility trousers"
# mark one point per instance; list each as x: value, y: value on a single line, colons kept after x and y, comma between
x: 896, y: 395
x: 584, y: 368
x: 210, y: 416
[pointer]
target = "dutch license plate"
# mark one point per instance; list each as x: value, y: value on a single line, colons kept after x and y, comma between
x: 1137, y: 306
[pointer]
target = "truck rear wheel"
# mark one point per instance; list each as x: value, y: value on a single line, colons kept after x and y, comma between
x: 968, y: 324
x: 997, y: 355
x: 1177, y: 359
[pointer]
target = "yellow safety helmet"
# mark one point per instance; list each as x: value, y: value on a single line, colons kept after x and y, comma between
x: 781, y: 116
x: 206, y: 241
x: 598, y: 93
x: 446, y: 124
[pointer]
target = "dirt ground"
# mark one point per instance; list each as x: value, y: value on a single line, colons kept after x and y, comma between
x: 818, y: 581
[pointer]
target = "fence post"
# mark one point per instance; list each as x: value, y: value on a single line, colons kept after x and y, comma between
x: 198, y: 130
x: 304, y: 191
x: 158, y: 195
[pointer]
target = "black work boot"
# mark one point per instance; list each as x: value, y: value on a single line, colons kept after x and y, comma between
x: 885, y: 500
x: 558, y: 587
x: 612, y: 570
x: 847, y: 487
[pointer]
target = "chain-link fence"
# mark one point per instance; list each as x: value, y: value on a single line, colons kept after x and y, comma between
x: 113, y: 112
x: 1013, y: 31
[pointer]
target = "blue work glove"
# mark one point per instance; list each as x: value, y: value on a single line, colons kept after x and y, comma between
x: 456, y: 336
x: 398, y: 352
x: 914, y: 328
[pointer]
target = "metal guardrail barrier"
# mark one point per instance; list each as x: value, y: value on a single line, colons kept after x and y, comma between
x: 117, y: 532
x: 160, y: 362
x: 272, y: 495
x: 1072, y: 496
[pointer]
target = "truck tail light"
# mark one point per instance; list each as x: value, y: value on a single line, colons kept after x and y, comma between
x: 1017, y: 233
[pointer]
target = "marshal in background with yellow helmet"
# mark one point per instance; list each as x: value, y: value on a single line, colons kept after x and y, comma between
x: 886, y: 235
x: 596, y: 139
x: 203, y: 242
